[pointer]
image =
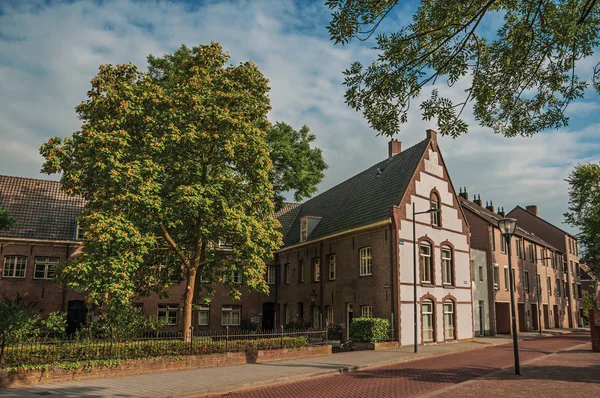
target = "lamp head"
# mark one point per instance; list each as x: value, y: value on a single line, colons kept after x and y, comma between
x: 507, y: 226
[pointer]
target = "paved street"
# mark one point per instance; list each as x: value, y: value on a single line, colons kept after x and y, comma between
x: 424, y: 376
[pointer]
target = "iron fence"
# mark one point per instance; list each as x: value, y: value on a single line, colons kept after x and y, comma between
x: 197, y: 342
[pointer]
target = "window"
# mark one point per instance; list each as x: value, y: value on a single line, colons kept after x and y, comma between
x: 303, y: 229
x: 300, y: 314
x: 496, y: 277
x: 234, y: 277
x: 514, y: 286
x: 502, y: 244
x: 44, y: 267
x: 317, y: 318
x: 366, y: 265
x: 286, y: 314
x: 316, y: 269
x: 435, y: 204
x: 565, y: 289
x: 526, y: 281
x: 554, y: 256
x: 366, y: 311
x: 549, y: 283
x: 518, y: 247
x: 426, y: 266
x: 480, y: 273
x: 286, y: 272
x: 205, y: 275
x: 14, y: 267
x: 271, y: 274
x: 230, y: 315
x: 531, y: 253
x: 79, y: 231
x: 506, y: 281
x: 558, y: 287
x: 332, y: 267
x: 301, y: 271
x: 573, y: 290
x: 223, y: 244
x: 539, y: 284
x: 493, y: 239
x: 204, y: 315
x: 571, y: 266
x: 330, y: 314
x: 168, y: 312
x: 427, y: 323
x: 448, y: 320
x: 448, y: 269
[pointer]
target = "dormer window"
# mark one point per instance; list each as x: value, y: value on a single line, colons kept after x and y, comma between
x: 224, y: 245
x: 79, y: 231
x: 303, y: 229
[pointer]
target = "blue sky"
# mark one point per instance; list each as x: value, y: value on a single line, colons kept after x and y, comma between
x: 49, y: 51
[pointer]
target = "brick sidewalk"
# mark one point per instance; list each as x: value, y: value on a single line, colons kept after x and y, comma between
x: 572, y: 373
x: 419, y: 377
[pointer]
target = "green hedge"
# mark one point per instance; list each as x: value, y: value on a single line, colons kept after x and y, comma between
x: 77, y: 351
x: 369, y: 330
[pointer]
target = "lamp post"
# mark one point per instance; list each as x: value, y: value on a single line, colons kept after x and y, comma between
x: 432, y: 210
x: 507, y: 228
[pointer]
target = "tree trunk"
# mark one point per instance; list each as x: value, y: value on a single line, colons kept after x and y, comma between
x: 188, y: 299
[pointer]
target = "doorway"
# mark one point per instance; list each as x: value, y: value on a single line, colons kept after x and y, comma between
x: 535, y: 317
x: 268, y: 319
x: 546, y: 317
x: 556, y: 323
x: 570, y: 319
x: 503, y: 318
x: 349, y: 317
x: 76, y: 314
x: 481, y: 325
x: 521, y: 318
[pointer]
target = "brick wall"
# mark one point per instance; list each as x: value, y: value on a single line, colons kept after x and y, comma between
x: 594, y: 316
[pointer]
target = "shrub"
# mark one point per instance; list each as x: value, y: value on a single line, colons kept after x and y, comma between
x: 248, y: 326
x: 369, y: 330
x: 18, y: 319
x: 298, y: 323
x: 334, y: 331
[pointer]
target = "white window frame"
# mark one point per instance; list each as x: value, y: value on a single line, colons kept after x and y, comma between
x: 227, y: 315
x: 286, y: 314
x: 526, y: 281
x: 330, y: 314
x: 332, y: 267
x: 496, y: 276
x: 317, y: 317
x: 549, y: 283
x: 447, y: 266
x: 366, y: 261
x: 303, y: 229
x: 204, y: 311
x: 46, y: 263
x: 270, y: 274
x: 19, y: 263
x: 506, y: 279
x: 435, y: 204
x: 449, y: 321
x: 79, y: 231
x: 502, y: 244
x: 366, y: 311
x: 167, y: 311
x: 286, y: 273
x: 316, y: 269
x: 426, y: 269
x: 301, y: 271
x: 428, y: 310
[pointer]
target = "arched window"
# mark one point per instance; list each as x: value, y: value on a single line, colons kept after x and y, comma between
x: 449, y: 333
x: 427, y: 314
x: 426, y: 263
x: 435, y: 204
x: 447, y: 266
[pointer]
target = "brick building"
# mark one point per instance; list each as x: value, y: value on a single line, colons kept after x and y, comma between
x: 542, y: 295
x: 349, y: 250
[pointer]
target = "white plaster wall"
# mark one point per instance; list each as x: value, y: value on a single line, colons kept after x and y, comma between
x: 464, y: 319
x: 432, y: 163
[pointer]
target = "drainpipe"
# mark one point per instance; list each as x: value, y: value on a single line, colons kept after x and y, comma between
x: 321, y: 285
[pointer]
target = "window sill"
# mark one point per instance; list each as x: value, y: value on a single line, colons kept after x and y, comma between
x: 449, y: 286
x: 367, y: 275
x: 436, y: 227
x: 427, y: 284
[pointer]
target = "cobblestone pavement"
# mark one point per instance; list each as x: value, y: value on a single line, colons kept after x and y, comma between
x: 573, y: 373
x: 427, y: 375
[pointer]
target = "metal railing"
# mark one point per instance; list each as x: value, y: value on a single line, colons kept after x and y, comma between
x: 31, y: 353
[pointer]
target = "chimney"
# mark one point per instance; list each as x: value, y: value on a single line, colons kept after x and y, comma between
x: 394, y: 147
x: 533, y: 209
x: 490, y: 207
x: 477, y: 200
x: 501, y: 212
x: 432, y: 135
x: 464, y: 194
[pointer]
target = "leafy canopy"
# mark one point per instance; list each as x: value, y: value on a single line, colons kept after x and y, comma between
x: 6, y: 221
x: 521, y: 79
x: 171, y: 162
x: 584, y: 207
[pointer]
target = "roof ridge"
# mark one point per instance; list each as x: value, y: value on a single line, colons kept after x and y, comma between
x: 29, y: 178
x: 544, y: 220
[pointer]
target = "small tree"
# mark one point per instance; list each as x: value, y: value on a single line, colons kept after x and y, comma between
x: 18, y: 319
x: 6, y: 221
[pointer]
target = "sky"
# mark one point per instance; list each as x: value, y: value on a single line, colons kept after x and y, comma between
x: 50, y: 50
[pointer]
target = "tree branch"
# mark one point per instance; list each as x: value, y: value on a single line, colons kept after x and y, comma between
x: 173, y: 245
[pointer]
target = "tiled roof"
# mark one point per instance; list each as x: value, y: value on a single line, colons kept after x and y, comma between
x: 493, y: 218
x: 366, y: 198
x: 540, y: 218
x: 41, y: 209
x: 286, y: 215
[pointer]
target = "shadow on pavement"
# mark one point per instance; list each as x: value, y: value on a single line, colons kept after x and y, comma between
x: 66, y: 392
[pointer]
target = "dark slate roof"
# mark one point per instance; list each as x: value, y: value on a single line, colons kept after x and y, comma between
x: 366, y: 198
x: 493, y: 218
x: 41, y: 209
x: 547, y: 222
x: 286, y: 215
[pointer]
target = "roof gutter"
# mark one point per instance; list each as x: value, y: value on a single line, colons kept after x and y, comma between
x: 33, y: 240
x: 381, y: 223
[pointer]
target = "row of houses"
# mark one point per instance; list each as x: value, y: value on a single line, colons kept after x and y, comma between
x: 347, y: 253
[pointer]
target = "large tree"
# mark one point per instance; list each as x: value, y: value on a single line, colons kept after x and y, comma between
x: 171, y: 162
x: 584, y: 208
x: 521, y: 78
x: 6, y: 221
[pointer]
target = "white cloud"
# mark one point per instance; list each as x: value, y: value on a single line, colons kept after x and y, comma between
x: 52, y: 53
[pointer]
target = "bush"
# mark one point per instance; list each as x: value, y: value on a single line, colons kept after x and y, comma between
x: 19, y: 321
x: 369, y: 330
x: 334, y: 331
x: 298, y: 324
x: 248, y: 326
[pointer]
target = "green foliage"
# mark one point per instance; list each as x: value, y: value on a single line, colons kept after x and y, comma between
x: 55, y: 324
x: 589, y: 302
x: 170, y: 162
x: 248, y: 326
x: 77, y: 352
x: 334, y: 331
x: 120, y: 322
x: 369, y: 330
x: 584, y: 208
x: 6, y: 221
x: 18, y: 319
x: 296, y: 166
x: 519, y: 80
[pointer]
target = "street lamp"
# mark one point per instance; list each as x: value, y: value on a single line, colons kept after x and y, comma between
x: 432, y: 210
x: 507, y: 228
